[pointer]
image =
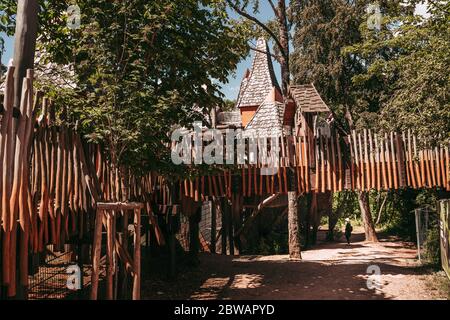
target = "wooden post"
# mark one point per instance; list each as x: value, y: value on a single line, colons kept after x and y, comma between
x: 96, y: 252
x: 388, y: 161
x: 378, y: 160
x: 394, y: 162
x: 137, y: 255
x: 341, y: 171
x: 25, y: 43
x: 373, y: 179
x: 213, y: 225
x: 230, y: 225
x: 237, y: 203
x: 110, y: 239
x: 224, y: 232
x: 367, y: 163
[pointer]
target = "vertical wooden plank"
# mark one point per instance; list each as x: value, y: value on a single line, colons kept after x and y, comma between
x: 306, y: 165
x: 378, y: 162
x: 437, y: 166
x: 427, y: 167
x: 373, y: 179
x: 333, y: 164
x: 400, y: 160
x: 352, y: 164
x: 96, y: 251
x: 431, y: 165
x: 328, y: 164
x: 413, y: 177
x: 423, y: 171
x: 361, y: 163
x: 388, y: 162
x: 322, y: 164
x: 110, y: 239
x: 447, y: 167
x: 357, y: 163
x: 249, y: 172
x: 405, y: 150
x: 366, y: 162
x: 244, y: 182
x: 316, y: 152
x: 341, y: 171
x: 394, y: 161
x: 210, y: 186
x: 137, y: 255
x: 255, y: 180
x: 215, y: 188
x: 442, y: 166
x: 418, y: 165
x: 202, y: 191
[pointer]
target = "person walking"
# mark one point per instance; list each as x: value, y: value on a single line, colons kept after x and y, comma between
x: 348, y: 230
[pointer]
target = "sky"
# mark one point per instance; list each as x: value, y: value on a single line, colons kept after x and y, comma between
x: 231, y: 89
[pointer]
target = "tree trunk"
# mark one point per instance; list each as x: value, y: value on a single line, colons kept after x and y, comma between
x: 293, y: 225
x: 369, y: 228
x: 25, y: 43
x: 284, y: 42
x: 293, y: 217
x: 334, y: 216
x: 332, y: 221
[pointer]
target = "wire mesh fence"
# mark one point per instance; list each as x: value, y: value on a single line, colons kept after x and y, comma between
x: 426, y: 220
x: 51, y: 275
x: 210, y: 224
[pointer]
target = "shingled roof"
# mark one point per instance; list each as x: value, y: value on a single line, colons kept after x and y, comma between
x: 267, y: 121
x: 258, y: 82
x: 307, y: 98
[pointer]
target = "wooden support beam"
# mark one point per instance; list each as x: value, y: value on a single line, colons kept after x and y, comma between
x: 137, y: 255
x: 96, y: 252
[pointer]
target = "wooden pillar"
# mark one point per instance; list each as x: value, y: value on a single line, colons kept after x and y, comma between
x: 137, y: 255
x: 96, y: 252
x: 236, y: 219
x: 25, y: 43
x: 224, y: 232
x: 228, y: 210
x: 110, y: 239
x: 213, y: 224
x: 123, y: 241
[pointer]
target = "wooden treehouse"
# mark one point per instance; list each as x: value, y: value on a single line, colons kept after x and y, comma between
x: 59, y: 193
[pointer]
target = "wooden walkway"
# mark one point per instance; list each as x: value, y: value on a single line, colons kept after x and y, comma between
x: 359, y: 161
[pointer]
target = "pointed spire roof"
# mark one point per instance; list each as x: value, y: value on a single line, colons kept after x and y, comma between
x: 259, y: 81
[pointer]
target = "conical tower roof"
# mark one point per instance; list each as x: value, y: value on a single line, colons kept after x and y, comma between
x: 259, y: 81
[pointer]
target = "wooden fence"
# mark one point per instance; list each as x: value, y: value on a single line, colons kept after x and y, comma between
x: 359, y: 161
x: 51, y: 182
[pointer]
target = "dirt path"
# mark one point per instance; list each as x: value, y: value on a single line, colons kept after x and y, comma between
x: 329, y: 271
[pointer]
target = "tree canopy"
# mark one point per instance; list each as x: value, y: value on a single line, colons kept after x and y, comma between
x: 139, y: 67
x: 410, y: 58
